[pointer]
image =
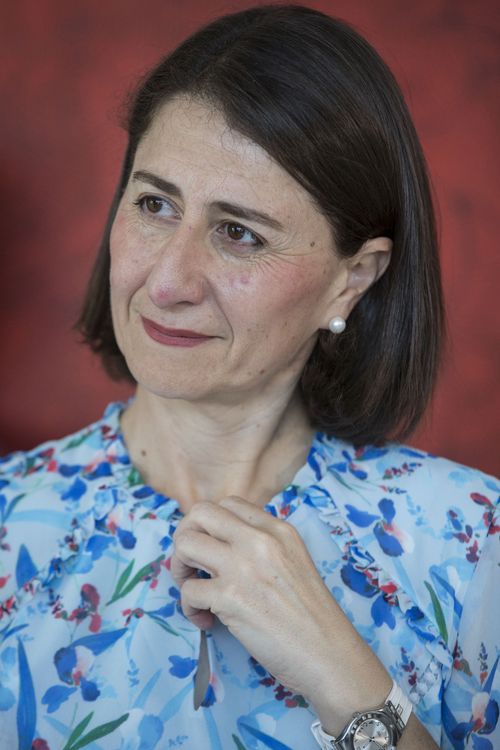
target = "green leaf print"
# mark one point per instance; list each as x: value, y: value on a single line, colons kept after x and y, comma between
x: 239, y: 744
x: 163, y: 624
x: 75, y: 442
x: 438, y: 612
x: 301, y: 701
x: 95, y: 734
x: 340, y: 479
x: 463, y: 666
x: 134, y: 478
x: 78, y: 730
x: 123, y: 579
x: 29, y: 465
x: 145, y: 571
x: 12, y: 505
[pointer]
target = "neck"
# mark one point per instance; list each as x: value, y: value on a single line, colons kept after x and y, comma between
x: 193, y: 451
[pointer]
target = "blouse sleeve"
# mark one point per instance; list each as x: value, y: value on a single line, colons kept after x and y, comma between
x: 471, y: 697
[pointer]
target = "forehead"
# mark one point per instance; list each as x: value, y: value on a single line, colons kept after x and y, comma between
x: 190, y: 142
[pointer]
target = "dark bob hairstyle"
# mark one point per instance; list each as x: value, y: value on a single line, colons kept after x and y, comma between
x: 319, y: 99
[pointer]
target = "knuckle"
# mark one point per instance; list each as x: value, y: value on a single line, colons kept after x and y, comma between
x: 232, y: 593
x: 179, y: 530
x: 186, y: 535
x: 200, y: 509
x: 185, y: 539
x: 176, y: 543
x: 289, y: 532
x: 189, y: 591
x: 187, y: 588
x: 263, y: 543
x: 286, y: 535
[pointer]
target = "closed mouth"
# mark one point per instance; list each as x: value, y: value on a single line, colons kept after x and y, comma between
x: 162, y: 333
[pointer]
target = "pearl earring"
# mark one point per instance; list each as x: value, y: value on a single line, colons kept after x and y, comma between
x: 337, y: 324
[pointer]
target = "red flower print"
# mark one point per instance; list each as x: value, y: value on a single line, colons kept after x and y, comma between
x: 88, y: 607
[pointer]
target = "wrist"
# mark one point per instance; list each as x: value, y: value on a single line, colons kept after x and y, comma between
x: 336, y: 702
x: 384, y: 724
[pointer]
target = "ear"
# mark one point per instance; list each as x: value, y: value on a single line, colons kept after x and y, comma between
x: 360, y: 272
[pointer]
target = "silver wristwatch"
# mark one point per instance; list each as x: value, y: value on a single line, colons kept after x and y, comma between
x: 377, y: 729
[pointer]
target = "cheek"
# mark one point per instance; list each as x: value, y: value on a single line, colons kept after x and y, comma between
x: 263, y: 298
x: 125, y: 271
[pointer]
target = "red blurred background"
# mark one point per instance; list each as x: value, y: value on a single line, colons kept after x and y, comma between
x: 66, y: 68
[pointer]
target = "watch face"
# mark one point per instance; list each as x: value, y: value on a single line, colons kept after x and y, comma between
x: 371, y: 734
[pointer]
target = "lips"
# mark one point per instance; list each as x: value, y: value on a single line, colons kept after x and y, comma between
x: 173, y: 336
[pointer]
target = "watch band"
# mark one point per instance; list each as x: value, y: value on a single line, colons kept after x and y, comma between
x: 397, y: 703
x: 400, y: 706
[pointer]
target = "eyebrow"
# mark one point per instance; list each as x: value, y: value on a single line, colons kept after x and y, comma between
x: 241, y: 212
x: 157, y: 182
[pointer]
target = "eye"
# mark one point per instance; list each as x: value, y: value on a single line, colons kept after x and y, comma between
x: 153, y: 205
x: 239, y: 235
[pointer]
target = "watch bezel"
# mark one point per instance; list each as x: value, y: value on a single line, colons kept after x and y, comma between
x: 360, y: 718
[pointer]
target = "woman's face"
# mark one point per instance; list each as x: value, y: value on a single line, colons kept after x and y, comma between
x: 212, y: 237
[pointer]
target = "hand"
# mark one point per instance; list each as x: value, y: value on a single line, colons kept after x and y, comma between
x: 264, y: 587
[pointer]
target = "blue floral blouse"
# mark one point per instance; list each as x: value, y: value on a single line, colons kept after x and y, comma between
x: 95, y: 650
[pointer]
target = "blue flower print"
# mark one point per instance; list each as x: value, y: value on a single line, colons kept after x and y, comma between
x: 357, y: 581
x: 391, y: 539
x: 483, y: 718
x: 181, y: 666
x: 74, y: 664
x: 75, y: 491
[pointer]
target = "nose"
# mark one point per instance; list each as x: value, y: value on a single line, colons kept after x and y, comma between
x: 178, y: 276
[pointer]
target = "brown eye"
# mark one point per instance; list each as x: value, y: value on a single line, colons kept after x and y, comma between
x: 153, y: 205
x: 240, y: 235
x: 235, y: 231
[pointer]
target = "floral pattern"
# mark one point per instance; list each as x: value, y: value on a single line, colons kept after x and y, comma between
x: 95, y: 650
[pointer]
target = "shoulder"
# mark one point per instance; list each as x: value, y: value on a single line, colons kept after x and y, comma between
x: 47, y: 498
x: 58, y: 457
x: 428, y: 495
x: 414, y: 521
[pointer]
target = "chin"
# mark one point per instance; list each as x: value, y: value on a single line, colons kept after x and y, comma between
x: 173, y: 385
x: 164, y: 376
x: 192, y: 386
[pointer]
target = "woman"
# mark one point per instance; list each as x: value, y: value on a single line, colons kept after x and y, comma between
x: 242, y: 556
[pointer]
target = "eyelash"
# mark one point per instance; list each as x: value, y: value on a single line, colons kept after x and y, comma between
x: 257, y: 243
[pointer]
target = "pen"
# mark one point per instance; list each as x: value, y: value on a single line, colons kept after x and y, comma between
x: 202, y: 677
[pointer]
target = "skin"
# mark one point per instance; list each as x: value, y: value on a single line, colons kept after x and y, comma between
x: 262, y: 293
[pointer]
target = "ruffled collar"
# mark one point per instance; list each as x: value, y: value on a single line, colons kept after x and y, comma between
x: 282, y: 505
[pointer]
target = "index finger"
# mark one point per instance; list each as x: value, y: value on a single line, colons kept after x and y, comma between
x: 182, y: 572
x: 227, y: 520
